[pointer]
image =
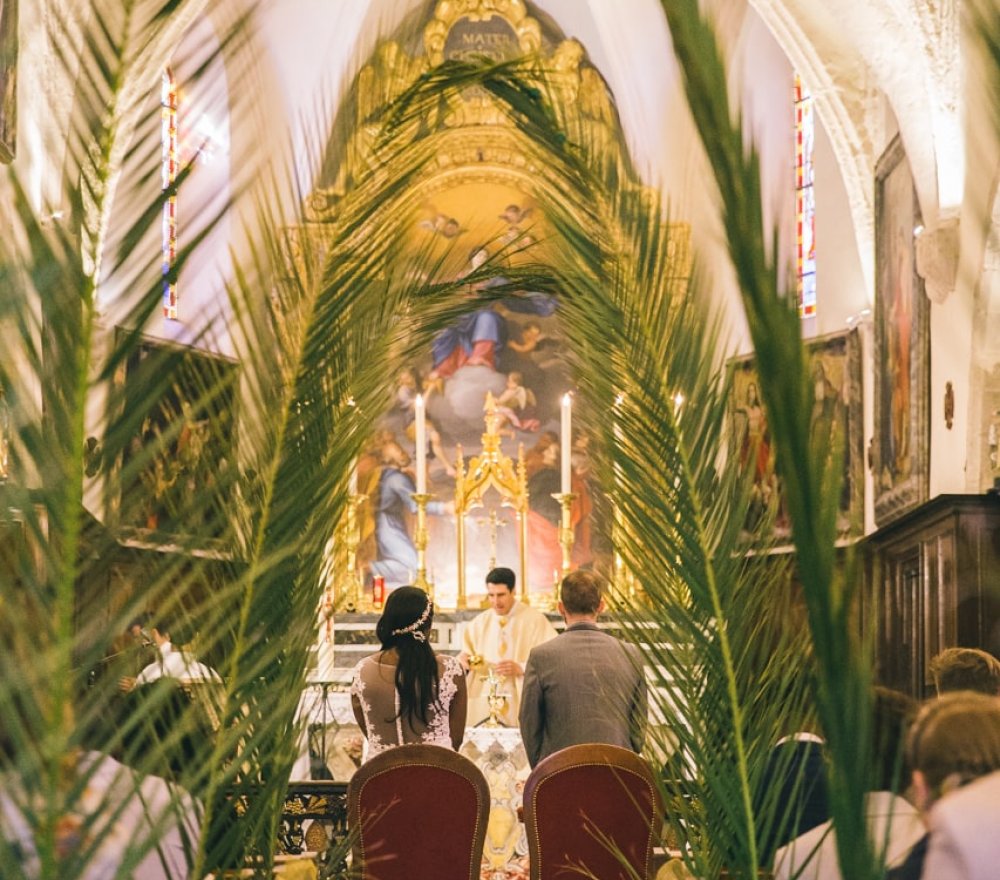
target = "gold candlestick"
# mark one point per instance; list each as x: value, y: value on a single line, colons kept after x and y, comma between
x: 566, y: 536
x: 420, y: 542
x: 356, y: 599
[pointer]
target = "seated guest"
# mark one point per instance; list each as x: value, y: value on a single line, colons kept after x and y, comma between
x: 123, y: 812
x: 963, y: 843
x: 583, y: 686
x: 406, y: 693
x: 966, y: 669
x: 166, y: 731
x: 954, y: 741
x: 892, y: 821
x: 171, y: 662
x: 118, y: 821
x: 792, y: 797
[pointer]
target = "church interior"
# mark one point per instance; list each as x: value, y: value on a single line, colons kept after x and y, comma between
x: 304, y: 302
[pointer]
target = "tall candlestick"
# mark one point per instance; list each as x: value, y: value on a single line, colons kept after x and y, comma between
x: 421, y: 415
x: 566, y: 443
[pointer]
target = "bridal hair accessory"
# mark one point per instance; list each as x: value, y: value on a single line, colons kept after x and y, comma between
x: 414, y: 629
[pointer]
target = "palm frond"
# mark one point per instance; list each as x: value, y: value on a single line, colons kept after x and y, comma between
x: 313, y: 340
x: 810, y: 475
x: 728, y: 692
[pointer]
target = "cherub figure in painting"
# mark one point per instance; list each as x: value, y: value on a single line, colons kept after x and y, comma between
x: 516, y: 406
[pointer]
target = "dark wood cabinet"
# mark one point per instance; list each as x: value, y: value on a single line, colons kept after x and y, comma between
x: 933, y: 582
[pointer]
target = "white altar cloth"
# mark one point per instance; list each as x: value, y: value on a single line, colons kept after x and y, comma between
x: 499, y: 754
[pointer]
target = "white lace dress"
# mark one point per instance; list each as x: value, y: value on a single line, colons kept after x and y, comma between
x: 374, y: 688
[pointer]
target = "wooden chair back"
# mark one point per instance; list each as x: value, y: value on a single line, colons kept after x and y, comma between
x: 588, y: 811
x: 418, y: 811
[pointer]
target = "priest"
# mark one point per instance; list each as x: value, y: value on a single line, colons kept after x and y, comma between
x: 499, y: 640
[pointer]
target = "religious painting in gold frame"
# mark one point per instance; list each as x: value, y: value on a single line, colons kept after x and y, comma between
x: 834, y: 364
x: 510, y: 352
x: 175, y: 469
x: 900, y: 447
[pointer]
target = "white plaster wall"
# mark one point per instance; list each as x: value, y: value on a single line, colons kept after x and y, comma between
x: 763, y: 78
x: 951, y: 346
x: 842, y: 290
x: 628, y: 41
x: 311, y: 48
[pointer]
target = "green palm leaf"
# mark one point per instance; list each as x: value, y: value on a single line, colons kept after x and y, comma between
x: 728, y: 692
x: 247, y: 568
x: 810, y: 475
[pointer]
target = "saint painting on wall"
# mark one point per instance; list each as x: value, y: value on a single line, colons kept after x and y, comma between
x: 834, y: 364
x: 184, y: 446
x: 900, y: 447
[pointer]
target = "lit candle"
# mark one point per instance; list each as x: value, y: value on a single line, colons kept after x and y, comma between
x: 421, y: 445
x: 566, y: 442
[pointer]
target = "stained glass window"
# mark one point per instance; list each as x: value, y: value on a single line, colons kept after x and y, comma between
x: 168, y: 174
x: 805, y: 200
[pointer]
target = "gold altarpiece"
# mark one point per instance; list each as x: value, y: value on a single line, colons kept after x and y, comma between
x: 491, y: 470
x: 480, y: 157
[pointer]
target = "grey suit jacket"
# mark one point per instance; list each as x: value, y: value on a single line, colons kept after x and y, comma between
x: 584, y: 686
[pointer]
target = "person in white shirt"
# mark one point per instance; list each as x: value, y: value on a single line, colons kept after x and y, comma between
x: 963, y: 841
x: 171, y: 662
x: 499, y: 640
x: 954, y: 742
x: 893, y: 822
x: 118, y: 814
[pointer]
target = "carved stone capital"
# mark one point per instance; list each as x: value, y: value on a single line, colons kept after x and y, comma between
x: 937, y: 260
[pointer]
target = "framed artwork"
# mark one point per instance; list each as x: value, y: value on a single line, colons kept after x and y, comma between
x: 900, y: 444
x: 183, y: 442
x: 835, y: 369
x: 8, y: 80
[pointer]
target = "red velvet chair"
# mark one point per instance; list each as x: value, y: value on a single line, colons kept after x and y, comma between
x: 419, y: 811
x: 588, y: 806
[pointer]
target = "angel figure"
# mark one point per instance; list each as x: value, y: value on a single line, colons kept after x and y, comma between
x: 443, y: 225
x: 516, y: 407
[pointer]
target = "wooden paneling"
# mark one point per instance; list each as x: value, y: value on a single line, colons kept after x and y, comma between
x: 933, y: 581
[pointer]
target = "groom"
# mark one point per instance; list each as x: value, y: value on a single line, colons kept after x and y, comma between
x: 584, y: 686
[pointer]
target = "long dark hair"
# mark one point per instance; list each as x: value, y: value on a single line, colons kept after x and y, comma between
x: 417, y: 676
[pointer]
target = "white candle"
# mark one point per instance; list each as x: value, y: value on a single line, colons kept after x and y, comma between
x: 566, y: 442
x: 421, y: 446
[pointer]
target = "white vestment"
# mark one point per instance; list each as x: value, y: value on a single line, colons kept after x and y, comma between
x: 496, y: 637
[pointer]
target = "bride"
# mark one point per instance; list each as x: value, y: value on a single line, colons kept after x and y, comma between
x: 406, y: 693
